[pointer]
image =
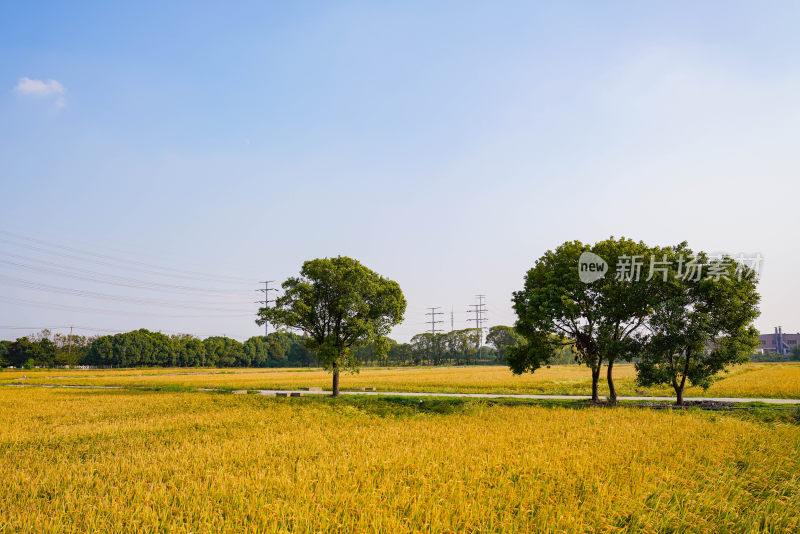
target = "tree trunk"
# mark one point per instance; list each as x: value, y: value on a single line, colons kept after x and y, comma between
x: 612, y: 392
x: 595, y: 384
x: 679, y: 388
x: 335, y: 380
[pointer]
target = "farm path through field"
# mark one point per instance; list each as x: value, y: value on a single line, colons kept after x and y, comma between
x: 274, y: 392
x: 524, y: 396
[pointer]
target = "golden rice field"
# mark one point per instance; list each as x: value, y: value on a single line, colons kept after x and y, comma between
x: 781, y: 380
x: 154, y: 461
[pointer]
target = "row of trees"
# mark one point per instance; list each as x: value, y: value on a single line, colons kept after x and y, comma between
x: 462, y: 347
x: 771, y: 356
x: 141, y: 348
x: 459, y: 347
x: 679, y: 324
x: 45, y: 349
x: 144, y: 348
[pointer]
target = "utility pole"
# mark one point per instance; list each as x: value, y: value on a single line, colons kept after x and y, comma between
x: 452, y: 321
x: 436, y: 343
x: 479, y: 310
x: 266, y: 289
x: 433, y: 313
x: 69, y: 343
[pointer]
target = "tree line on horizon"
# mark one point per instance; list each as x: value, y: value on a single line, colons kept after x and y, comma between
x: 143, y: 348
x: 278, y: 349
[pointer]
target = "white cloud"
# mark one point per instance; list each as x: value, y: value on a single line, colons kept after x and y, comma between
x: 27, y: 86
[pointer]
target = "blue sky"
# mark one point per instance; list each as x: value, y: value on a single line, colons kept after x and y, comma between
x: 446, y: 146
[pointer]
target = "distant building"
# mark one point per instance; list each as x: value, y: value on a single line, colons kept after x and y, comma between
x: 778, y: 342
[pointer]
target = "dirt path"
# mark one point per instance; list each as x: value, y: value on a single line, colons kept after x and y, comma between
x: 273, y: 392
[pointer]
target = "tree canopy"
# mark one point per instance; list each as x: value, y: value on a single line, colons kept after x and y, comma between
x: 599, y: 319
x: 678, y: 323
x: 503, y: 338
x: 702, y: 325
x: 338, y: 303
x: 143, y: 348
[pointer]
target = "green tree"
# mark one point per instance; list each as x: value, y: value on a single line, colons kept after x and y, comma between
x: 299, y: 355
x: 256, y: 350
x: 367, y: 354
x: 265, y: 351
x: 225, y: 352
x: 400, y: 353
x: 41, y: 352
x: 20, y: 351
x: 139, y: 348
x: 102, y: 352
x: 338, y: 303
x: 71, y: 349
x: 503, y: 337
x: 4, y: 352
x: 189, y: 351
x: 276, y: 353
x: 703, y: 326
x: 599, y: 319
x: 565, y: 354
x: 461, y: 345
x: 146, y: 349
x: 428, y: 347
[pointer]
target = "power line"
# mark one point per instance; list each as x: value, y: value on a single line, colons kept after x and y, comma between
x: 126, y: 261
x: 433, y: 321
x: 54, y: 328
x: 38, y: 258
x: 107, y: 330
x: 106, y: 311
x: 266, y: 300
x: 103, y: 278
x: 106, y: 296
x: 105, y: 259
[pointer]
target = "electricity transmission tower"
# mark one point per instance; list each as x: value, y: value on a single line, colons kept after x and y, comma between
x: 436, y: 342
x: 479, y: 310
x: 433, y: 313
x: 266, y: 289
